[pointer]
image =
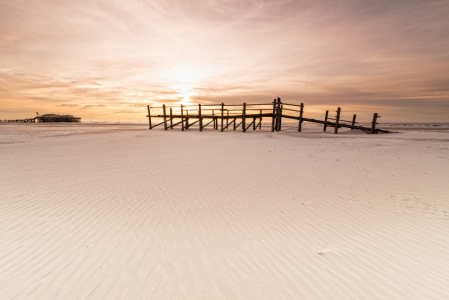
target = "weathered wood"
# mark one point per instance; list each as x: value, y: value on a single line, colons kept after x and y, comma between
x: 325, y: 120
x: 249, y: 125
x: 337, y: 119
x: 373, y: 124
x: 244, y: 117
x: 213, y: 118
x: 227, y: 118
x: 238, y: 125
x: 171, y: 118
x: 199, y: 117
x: 273, y: 118
x: 353, y: 121
x: 222, y: 113
x: 187, y: 119
x: 300, y: 117
x: 182, y: 117
x: 254, y: 123
x: 165, y: 117
x: 149, y: 117
x: 234, y: 124
x: 207, y: 124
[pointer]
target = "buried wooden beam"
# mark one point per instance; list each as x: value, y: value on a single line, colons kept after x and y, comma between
x: 337, y: 120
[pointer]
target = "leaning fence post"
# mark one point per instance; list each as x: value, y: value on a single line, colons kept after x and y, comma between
x: 325, y: 120
x: 373, y: 125
x: 222, y: 112
x: 149, y: 116
x: 199, y: 116
x: 182, y: 118
x: 165, y: 117
x: 353, y: 121
x: 337, y: 119
x: 300, y: 117
x: 243, y: 117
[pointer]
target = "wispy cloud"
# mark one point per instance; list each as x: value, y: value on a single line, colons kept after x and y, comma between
x: 96, y: 57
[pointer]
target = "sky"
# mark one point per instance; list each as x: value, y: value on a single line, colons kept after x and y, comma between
x: 109, y: 59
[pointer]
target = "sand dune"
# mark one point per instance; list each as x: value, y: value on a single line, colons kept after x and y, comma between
x: 120, y: 212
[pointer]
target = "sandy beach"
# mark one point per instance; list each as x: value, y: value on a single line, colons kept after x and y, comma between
x: 123, y: 212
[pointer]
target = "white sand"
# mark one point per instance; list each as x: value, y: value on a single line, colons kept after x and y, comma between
x: 120, y: 212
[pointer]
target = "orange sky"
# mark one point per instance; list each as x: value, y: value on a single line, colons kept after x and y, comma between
x: 108, y: 59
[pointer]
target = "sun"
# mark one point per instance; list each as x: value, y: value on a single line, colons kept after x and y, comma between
x: 186, y: 93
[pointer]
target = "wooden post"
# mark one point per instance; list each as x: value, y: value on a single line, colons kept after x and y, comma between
x: 222, y: 112
x: 235, y: 120
x: 213, y: 117
x: 325, y: 120
x: 260, y: 121
x: 353, y: 121
x: 227, y: 119
x: 199, y: 116
x: 273, y: 119
x: 300, y: 117
x: 149, y: 116
x: 280, y: 117
x: 171, y: 118
x: 337, y: 120
x: 373, y: 125
x: 254, y: 123
x: 244, y: 117
x: 187, y: 119
x: 182, y: 118
x: 165, y: 117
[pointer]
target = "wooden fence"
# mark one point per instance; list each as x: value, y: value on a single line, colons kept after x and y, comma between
x: 224, y: 117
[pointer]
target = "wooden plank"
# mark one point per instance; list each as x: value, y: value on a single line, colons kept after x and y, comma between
x: 325, y: 120
x: 199, y: 117
x: 182, y: 117
x: 222, y: 112
x: 300, y: 117
x: 353, y: 121
x: 337, y: 119
x: 373, y: 124
x: 165, y: 117
x: 149, y: 116
x: 243, y: 117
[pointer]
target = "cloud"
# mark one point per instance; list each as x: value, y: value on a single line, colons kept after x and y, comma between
x: 358, y: 52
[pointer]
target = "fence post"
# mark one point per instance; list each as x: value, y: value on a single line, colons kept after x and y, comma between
x: 171, y: 118
x: 235, y: 120
x: 353, y: 121
x: 244, y: 117
x: 274, y: 116
x: 149, y: 116
x: 199, y: 116
x: 222, y: 112
x: 260, y: 121
x: 182, y: 118
x: 337, y: 119
x: 373, y: 125
x: 325, y: 120
x: 300, y: 117
x: 165, y: 117
x: 227, y: 119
